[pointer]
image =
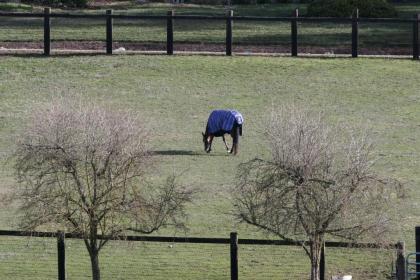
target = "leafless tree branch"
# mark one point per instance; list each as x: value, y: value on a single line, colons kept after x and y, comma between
x: 318, y: 181
x: 81, y: 168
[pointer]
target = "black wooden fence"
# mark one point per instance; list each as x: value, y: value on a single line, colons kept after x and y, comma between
x: 233, y: 241
x: 229, y: 18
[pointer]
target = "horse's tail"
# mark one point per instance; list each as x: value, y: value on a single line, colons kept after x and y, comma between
x: 237, y: 132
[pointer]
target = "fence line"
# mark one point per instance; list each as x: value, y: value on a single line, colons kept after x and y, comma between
x: 234, y: 242
x: 209, y: 17
x: 228, y: 18
x: 204, y: 240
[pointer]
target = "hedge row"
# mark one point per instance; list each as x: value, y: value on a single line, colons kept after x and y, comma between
x: 345, y: 8
x: 59, y: 3
x: 323, y: 8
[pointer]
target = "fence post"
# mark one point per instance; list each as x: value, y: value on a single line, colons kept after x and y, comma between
x: 400, y: 263
x: 417, y: 250
x: 108, y: 31
x: 61, y: 253
x: 322, y: 263
x: 233, y: 256
x: 416, y: 37
x: 294, y: 33
x: 47, y: 31
x: 229, y: 32
x: 355, y: 34
x: 170, y: 33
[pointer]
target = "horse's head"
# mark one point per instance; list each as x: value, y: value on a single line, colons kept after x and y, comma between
x: 206, y: 142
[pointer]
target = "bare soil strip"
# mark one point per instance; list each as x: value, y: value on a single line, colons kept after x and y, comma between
x: 99, y: 46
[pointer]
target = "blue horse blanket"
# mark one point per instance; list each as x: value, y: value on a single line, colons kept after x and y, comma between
x: 222, y: 121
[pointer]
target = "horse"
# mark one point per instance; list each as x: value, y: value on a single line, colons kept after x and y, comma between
x: 221, y: 122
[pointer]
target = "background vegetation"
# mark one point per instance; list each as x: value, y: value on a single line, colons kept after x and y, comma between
x: 60, y: 3
x: 346, y: 8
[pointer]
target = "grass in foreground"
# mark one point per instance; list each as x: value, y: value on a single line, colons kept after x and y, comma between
x: 176, y: 94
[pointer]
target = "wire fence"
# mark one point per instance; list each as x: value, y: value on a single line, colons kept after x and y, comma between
x: 28, y: 258
x: 28, y: 31
x: 212, y: 33
x: 398, y: 37
x: 37, y: 257
x: 139, y: 34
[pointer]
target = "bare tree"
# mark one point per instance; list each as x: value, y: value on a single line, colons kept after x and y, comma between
x: 318, y: 182
x: 82, y: 168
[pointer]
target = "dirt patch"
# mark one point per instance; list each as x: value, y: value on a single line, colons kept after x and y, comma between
x: 189, y: 47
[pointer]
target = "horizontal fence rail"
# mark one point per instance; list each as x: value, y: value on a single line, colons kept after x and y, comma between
x: 204, y: 240
x: 229, y: 18
x: 234, y: 242
x: 206, y: 17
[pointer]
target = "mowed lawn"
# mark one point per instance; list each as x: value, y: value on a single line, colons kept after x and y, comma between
x: 175, y: 95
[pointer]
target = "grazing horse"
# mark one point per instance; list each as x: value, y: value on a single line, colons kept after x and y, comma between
x: 223, y: 122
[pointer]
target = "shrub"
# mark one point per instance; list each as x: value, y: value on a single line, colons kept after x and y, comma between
x: 14, y: 7
x: 206, y: 2
x: 61, y: 3
x: 268, y: 1
x: 345, y: 8
x: 235, y: 2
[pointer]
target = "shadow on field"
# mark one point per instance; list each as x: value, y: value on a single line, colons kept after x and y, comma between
x: 186, y: 153
x: 176, y: 153
x: 41, y: 55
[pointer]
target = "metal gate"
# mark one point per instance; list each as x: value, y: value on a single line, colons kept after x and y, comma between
x: 412, y: 266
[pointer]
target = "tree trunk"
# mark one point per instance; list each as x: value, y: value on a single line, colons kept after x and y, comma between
x: 93, y: 247
x: 316, y: 246
x: 94, y: 260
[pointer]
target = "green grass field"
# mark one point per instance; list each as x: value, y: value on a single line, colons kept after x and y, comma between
x: 327, y: 35
x: 175, y: 96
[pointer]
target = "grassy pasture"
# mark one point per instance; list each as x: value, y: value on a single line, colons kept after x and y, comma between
x: 326, y: 35
x: 175, y: 96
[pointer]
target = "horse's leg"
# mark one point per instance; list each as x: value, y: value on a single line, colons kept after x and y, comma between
x: 236, y: 147
x: 235, y: 140
x: 210, y: 141
x: 224, y: 141
x: 233, y: 149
